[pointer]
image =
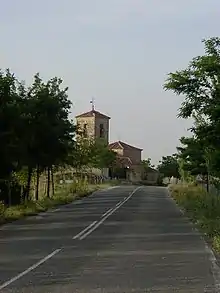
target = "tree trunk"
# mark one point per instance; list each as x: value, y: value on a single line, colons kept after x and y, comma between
x: 37, y: 183
x: 28, y: 188
x: 52, y: 180
x: 48, y: 182
x: 9, y: 193
x: 207, y: 184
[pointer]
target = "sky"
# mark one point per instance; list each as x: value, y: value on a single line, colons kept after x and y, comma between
x: 117, y: 51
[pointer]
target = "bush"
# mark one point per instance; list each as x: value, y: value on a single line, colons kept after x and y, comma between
x: 202, y: 207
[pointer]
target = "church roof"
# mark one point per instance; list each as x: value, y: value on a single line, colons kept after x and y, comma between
x: 93, y: 113
x: 151, y: 170
x: 124, y: 160
x: 122, y: 145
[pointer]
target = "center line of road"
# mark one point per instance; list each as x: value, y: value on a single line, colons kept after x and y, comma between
x: 108, y: 211
x: 83, y: 231
x: 90, y: 229
x: 33, y: 267
x: 118, y: 203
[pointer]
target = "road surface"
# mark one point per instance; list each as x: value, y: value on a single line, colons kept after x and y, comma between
x: 125, y: 239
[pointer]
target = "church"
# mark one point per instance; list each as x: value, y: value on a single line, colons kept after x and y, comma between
x: 95, y: 125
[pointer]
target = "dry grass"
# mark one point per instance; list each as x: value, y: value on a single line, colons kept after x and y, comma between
x: 202, y: 208
x: 64, y: 194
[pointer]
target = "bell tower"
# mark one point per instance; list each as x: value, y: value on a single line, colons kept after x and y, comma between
x: 94, y: 125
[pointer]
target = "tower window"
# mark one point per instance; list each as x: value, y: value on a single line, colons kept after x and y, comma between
x: 101, y: 130
x: 85, y: 130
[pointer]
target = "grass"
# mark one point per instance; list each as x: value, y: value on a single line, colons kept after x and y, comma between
x: 202, y: 208
x: 64, y: 194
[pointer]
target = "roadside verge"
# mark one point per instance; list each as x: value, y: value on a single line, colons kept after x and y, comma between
x: 202, y: 208
x: 64, y: 196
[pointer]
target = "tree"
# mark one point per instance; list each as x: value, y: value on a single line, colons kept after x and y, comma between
x: 36, y: 133
x: 193, y: 153
x: 169, y: 167
x: 101, y: 156
x: 10, y: 132
x: 200, y: 84
x: 147, y: 163
x: 91, y: 153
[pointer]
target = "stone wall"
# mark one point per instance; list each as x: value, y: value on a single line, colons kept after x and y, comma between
x: 134, y: 155
x: 90, y: 122
x: 105, y: 123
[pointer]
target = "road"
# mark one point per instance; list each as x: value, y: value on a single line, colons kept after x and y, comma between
x: 125, y: 239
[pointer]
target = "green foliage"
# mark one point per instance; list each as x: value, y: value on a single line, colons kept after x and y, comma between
x: 91, y: 153
x: 199, y: 154
x: 203, y: 208
x: 37, y: 136
x: 199, y: 83
x: 35, y: 130
x: 169, y: 167
x: 102, y: 157
x: 147, y: 163
x: 193, y: 155
x: 30, y: 208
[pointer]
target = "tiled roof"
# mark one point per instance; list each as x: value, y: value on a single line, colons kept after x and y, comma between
x: 151, y: 170
x: 122, y: 145
x: 93, y: 113
x: 124, y: 161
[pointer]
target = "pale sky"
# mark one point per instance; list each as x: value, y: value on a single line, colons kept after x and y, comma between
x: 118, y: 51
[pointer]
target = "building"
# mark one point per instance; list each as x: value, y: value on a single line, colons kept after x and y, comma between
x: 150, y: 175
x: 95, y: 125
x: 129, y: 158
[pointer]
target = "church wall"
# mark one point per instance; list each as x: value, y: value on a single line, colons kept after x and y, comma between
x: 90, y: 121
x: 105, y: 123
x: 134, y: 155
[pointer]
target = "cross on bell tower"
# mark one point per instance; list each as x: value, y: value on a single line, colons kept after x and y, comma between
x: 93, y: 103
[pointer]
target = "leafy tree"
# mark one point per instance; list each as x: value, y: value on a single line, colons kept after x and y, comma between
x: 193, y: 153
x: 102, y: 157
x: 200, y: 84
x: 36, y: 133
x: 10, y: 131
x: 56, y: 140
x: 90, y: 153
x: 147, y: 163
x: 169, y: 167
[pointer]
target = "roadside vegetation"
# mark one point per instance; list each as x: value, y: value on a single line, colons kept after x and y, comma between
x: 197, y: 161
x: 64, y: 195
x: 39, y: 151
x: 201, y: 207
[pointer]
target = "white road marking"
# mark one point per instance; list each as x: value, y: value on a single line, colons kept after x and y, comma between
x: 108, y: 211
x: 89, y: 231
x: 33, y: 267
x: 109, y: 188
x: 118, y: 203
x: 56, y: 210
x: 83, y: 231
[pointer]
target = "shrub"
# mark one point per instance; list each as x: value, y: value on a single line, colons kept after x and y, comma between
x: 202, y: 207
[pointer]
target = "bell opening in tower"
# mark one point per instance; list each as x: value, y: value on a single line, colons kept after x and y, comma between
x: 101, y: 130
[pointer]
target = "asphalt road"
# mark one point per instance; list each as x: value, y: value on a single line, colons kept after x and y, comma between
x: 125, y: 239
